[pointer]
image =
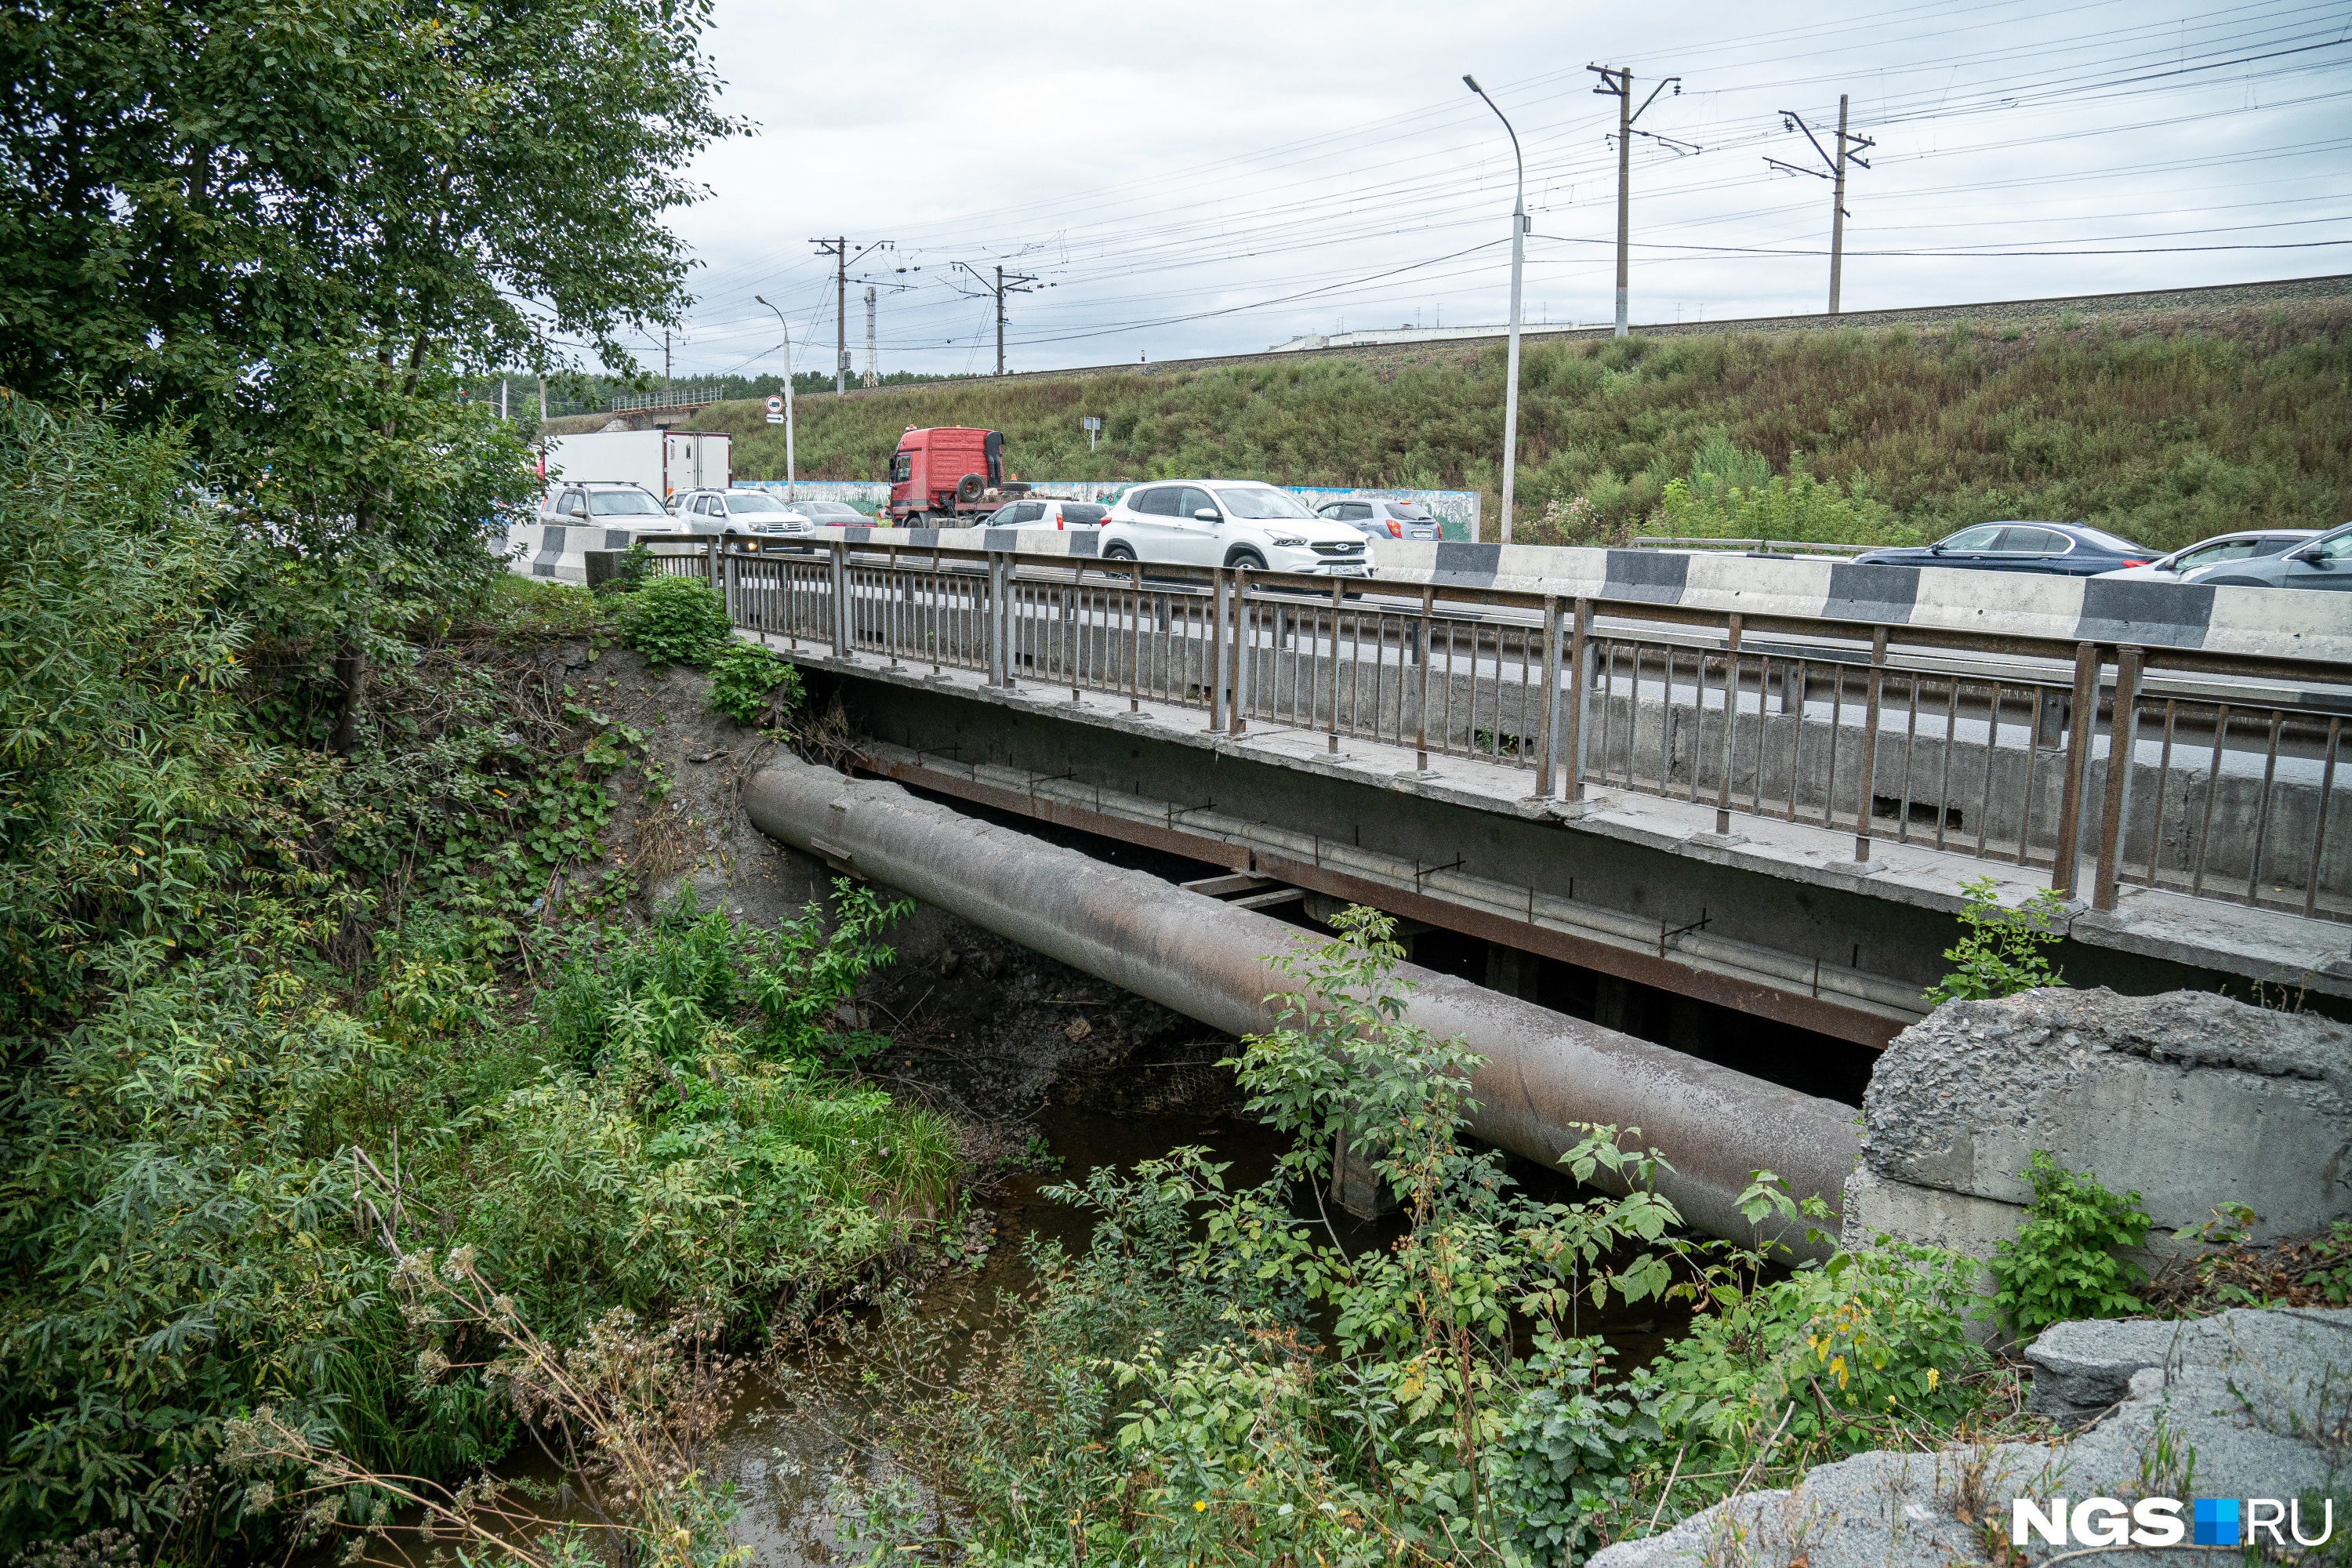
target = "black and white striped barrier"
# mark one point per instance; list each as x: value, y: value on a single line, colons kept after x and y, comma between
x: 559, y: 551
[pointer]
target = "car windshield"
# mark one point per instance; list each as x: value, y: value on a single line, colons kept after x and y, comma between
x: 744, y: 501
x: 624, y: 503
x: 1411, y: 513
x: 1259, y: 502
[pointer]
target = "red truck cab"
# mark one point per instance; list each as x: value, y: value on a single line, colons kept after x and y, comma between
x: 945, y: 473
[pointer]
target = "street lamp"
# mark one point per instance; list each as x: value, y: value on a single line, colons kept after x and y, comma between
x: 1518, y: 260
x: 791, y: 494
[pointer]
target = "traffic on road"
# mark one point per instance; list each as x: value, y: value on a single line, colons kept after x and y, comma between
x: 958, y: 476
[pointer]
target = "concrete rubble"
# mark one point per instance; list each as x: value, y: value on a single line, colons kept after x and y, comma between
x: 2250, y: 1404
x: 2190, y: 1099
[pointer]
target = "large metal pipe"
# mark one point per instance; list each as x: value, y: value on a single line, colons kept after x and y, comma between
x: 1545, y: 1074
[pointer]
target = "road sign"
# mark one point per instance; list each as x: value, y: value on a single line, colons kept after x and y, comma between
x: 776, y: 404
x: 1090, y: 423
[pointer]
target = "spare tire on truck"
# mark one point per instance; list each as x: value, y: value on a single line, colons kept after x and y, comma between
x: 968, y: 488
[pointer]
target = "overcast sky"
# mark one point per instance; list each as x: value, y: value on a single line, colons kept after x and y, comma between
x: 1221, y: 175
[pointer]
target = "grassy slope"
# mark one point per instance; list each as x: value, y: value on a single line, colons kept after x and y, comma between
x: 2167, y: 427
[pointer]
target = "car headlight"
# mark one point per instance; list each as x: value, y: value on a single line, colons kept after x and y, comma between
x: 1284, y: 540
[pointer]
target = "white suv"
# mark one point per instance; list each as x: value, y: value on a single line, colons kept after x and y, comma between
x: 1230, y: 522
x: 735, y: 513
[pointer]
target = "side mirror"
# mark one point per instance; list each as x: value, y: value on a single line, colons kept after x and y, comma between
x: 1209, y: 514
x: 576, y: 510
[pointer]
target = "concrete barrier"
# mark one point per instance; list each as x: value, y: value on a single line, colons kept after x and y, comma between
x: 559, y: 551
x: 2258, y: 623
x: 2190, y: 1099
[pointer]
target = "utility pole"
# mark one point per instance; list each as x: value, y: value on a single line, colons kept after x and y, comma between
x: 1518, y: 256
x: 1019, y: 283
x: 1618, y: 81
x: 871, y: 374
x: 839, y: 250
x: 790, y: 484
x: 1847, y: 152
x: 502, y: 400
x: 666, y: 393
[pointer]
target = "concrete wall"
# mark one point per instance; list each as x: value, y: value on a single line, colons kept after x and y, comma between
x: 2190, y: 1099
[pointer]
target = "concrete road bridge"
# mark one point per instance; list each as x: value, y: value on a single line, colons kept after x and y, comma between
x: 1722, y: 805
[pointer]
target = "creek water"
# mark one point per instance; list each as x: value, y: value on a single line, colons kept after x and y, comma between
x: 783, y: 1468
x: 783, y: 1471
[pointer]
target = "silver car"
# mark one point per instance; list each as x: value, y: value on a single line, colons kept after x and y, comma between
x: 606, y: 503
x: 2194, y: 564
x: 1378, y: 518
x: 739, y: 515
x: 2325, y: 562
x: 830, y: 513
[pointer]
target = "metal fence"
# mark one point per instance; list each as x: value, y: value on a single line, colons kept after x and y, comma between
x: 2105, y: 765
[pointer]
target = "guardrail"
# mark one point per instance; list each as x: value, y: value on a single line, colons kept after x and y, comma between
x: 1998, y: 747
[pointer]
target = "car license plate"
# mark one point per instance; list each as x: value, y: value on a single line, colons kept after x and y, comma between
x: 1350, y: 571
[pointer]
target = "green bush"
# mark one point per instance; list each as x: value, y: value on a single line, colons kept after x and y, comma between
x: 2062, y: 1264
x: 1999, y: 953
x: 744, y: 680
x: 676, y: 620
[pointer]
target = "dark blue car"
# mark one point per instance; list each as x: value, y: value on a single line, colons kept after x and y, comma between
x: 2067, y: 547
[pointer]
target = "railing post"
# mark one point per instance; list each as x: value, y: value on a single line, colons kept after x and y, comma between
x: 1547, y: 736
x: 1005, y: 624
x: 1869, y: 750
x: 1731, y: 720
x: 991, y: 619
x: 841, y: 626
x: 1238, y: 716
x: 1331, y: 661
x: 2122, y: 742
x: 1579, y: 695
x: 1216, y: 650
x: 2081, y: 721
x: 1420, y: 701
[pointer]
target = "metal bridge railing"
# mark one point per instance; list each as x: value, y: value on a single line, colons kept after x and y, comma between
x: 2104, y: 765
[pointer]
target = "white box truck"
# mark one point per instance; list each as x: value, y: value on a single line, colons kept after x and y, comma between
x: 667, y: 462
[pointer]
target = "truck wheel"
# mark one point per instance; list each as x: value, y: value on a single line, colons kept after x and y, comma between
x: 968, y: 488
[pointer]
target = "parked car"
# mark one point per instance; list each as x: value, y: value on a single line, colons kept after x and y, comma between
x: 740, y: 515
x: 614, y: 503
x: 1378, y: 519
x: 1046, y: 511
x: 1226, y: 522
x: 2066, y: 548
x: 2322, y: 563
x: 2191, y: 565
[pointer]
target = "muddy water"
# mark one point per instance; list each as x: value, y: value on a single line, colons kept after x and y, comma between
x: 783, y: 1468
x: 782, y: 1472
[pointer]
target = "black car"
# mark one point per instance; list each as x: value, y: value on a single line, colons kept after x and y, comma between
x: 2066, y: 548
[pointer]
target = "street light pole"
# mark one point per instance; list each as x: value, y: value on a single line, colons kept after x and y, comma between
x: 1518, y: 261
x: 790, y: 483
